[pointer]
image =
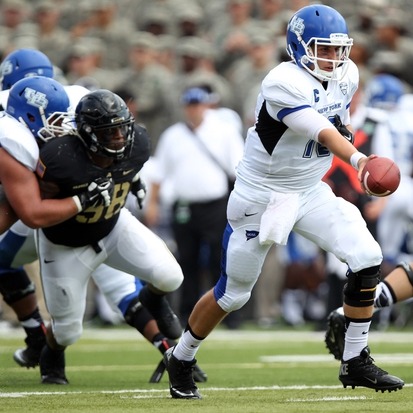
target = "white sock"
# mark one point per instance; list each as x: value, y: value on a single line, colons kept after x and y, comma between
x: 357, y: 335
x: 187, y: 347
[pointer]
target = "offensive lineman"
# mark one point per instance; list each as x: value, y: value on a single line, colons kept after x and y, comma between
x: 279, y: 189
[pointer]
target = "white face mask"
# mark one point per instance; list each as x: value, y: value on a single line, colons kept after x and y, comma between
x: 311, y: 60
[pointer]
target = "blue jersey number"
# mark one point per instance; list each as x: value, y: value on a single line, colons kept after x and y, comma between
x: 320, y: 150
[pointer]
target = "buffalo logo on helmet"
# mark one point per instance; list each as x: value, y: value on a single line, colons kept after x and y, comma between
x: 35, y: 98
x: 297, y: 25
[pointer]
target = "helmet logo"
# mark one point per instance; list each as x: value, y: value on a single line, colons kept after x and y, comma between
x: 35, y: 98
x: 39, y: 72
x: 297, y: 25
x: 6, y: 68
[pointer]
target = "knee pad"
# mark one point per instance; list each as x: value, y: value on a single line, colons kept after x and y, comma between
x: 229, y: 304
x: 67, y: 333
x: 169, y: 278
x: 15, y: 285
x: 361, y: 287
x: 233, y: 292
x: 233, y: 295
x: 407, y: 269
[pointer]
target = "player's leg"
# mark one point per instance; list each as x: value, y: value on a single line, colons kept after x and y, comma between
x: 345, y: 234
x: 135, y: 249
x: 121, y: 291
x: 18, y: 291
x: 241, y: 264
x: 397, y: 287
x: 65, y: 273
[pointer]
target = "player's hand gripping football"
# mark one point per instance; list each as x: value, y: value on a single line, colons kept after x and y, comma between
x: 138, y: 188
x: 99, y: 192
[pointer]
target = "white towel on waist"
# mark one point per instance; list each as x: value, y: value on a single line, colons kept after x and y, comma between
x: 279, y: 218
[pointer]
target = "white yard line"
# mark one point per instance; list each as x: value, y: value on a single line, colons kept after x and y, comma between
x: 145, y: 393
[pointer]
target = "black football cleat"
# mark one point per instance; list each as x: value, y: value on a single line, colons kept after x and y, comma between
x: 30, y: 356
x: 54, y: 377
x: 199, y: 375
x: 27, y: 357
x: 52, y: 366
x: 335, y: 334
x: 181, y: 380
x: 361, y: 371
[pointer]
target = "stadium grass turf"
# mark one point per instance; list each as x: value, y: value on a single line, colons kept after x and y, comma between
x: 248, y: 371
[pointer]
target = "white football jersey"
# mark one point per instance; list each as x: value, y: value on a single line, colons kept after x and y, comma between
x: 18, y: 141
x: 277, y: 157
x: 4, y: 95
x: 75, y: 93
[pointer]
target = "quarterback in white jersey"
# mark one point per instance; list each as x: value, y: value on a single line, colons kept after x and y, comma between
x: 301, y: 116
x: 282, y: 152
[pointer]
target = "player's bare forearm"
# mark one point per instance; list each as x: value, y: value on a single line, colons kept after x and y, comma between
x: 337, y: 144
x: 7, y: 215
x: 22, y: 192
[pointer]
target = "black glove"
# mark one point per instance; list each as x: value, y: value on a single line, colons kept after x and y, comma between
x: 342, y: 129
x: 99, y: 191
x: 138, y: 188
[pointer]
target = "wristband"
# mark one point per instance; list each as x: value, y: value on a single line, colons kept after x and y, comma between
x: 354, y: 159
x: 78, y: 204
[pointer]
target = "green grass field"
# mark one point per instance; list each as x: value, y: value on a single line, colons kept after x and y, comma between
x: 248, y: 371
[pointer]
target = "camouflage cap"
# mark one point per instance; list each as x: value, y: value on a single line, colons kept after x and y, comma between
x: 144, y: 40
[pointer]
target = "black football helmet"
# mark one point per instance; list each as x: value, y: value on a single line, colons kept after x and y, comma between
x: 101, y: 117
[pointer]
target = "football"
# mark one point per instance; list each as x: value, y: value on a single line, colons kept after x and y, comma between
x: 380, y: 176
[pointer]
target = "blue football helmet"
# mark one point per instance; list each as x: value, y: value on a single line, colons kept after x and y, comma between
x: 23, y: 63
x: 314, y: 26
x: 383, y: 91
x: 41, y: 103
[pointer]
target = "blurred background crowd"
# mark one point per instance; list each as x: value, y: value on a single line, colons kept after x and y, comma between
x: 151, y: 51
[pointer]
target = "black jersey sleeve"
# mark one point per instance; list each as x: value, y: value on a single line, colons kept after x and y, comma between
x: 141, y: 145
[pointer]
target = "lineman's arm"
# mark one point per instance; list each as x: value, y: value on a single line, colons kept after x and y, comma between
x: 22, y: 191
x: 7, y: 215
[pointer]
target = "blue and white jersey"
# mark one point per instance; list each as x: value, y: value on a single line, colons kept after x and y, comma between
x: 18, y: 141
x: 279, y: 158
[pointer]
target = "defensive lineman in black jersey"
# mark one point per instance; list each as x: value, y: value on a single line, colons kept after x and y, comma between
x: 108, y: 144
x: 66, y: 161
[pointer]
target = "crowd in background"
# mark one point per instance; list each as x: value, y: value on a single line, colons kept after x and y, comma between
x: 153, y: 50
